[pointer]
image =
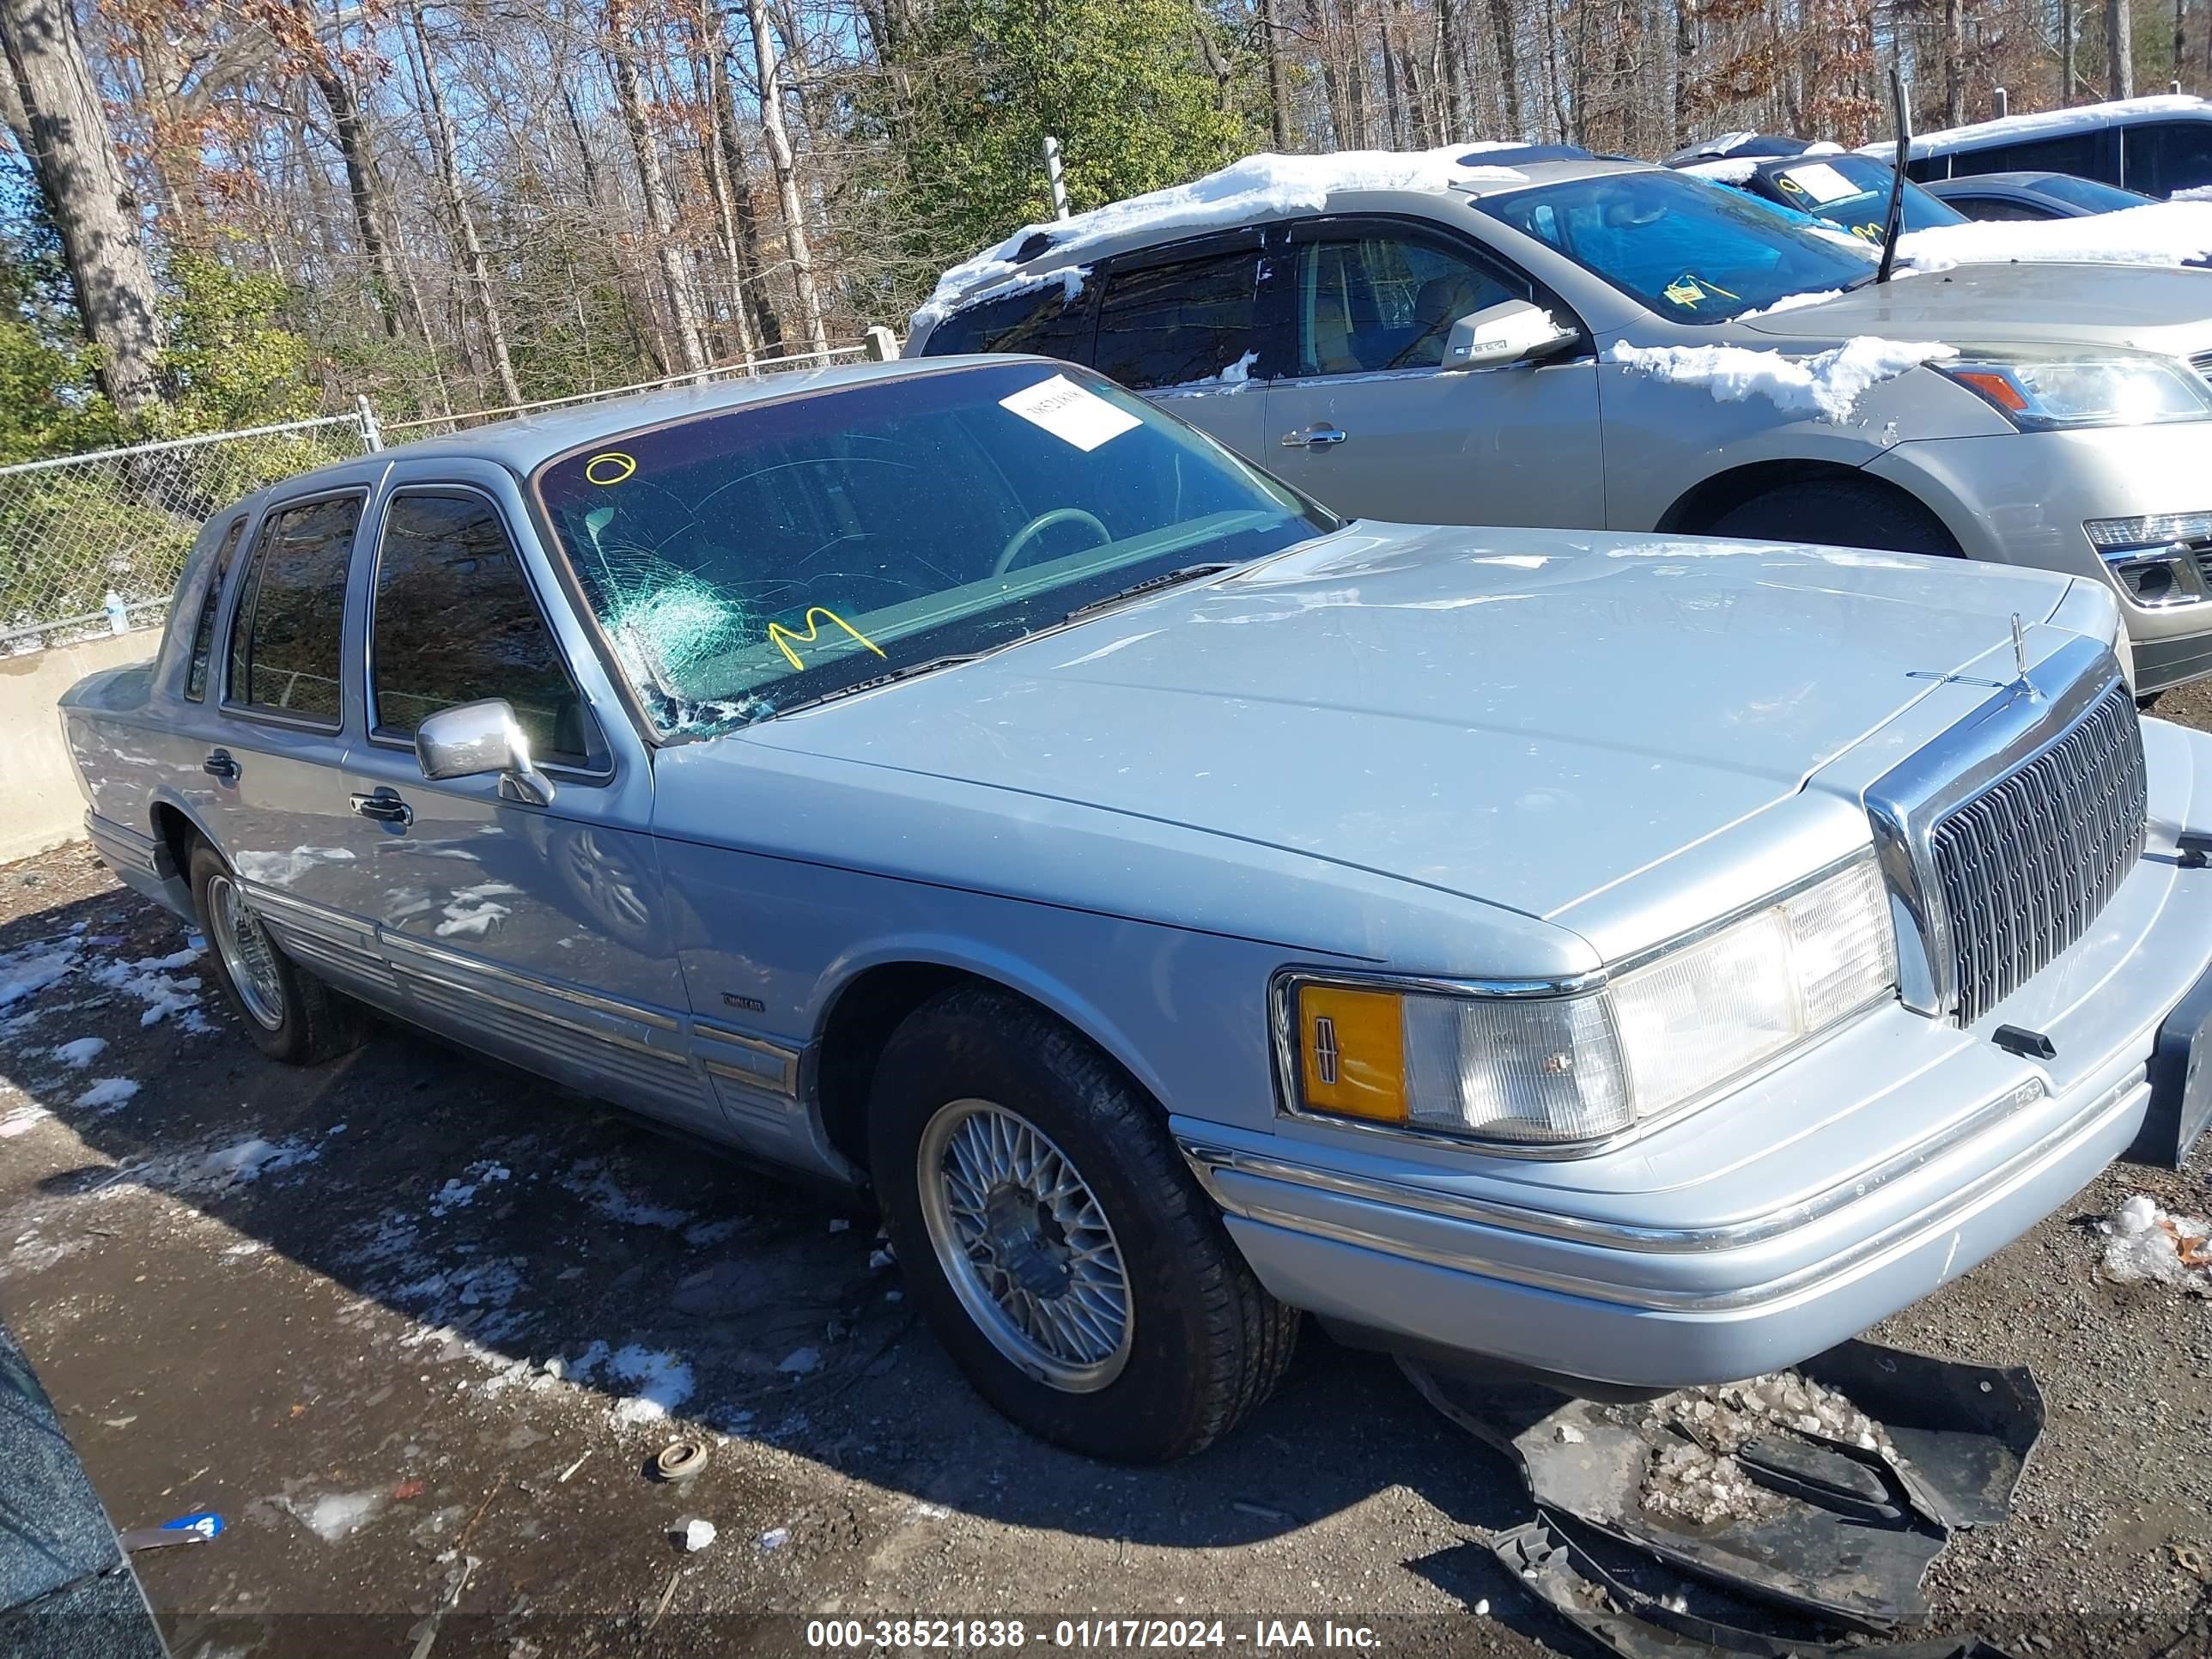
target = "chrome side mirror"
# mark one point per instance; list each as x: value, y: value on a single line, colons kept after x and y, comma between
x: 1510, y: 331
x: 477, y: 737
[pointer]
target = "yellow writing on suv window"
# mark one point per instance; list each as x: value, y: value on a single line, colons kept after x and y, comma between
x: 613, y: 468
x: 781, y: 636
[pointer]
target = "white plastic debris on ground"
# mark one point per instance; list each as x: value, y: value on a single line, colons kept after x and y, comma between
x: 2145, y: 1244
x: 2158, y: 234
x: 336, y: 1515
x: 1828, y: 384
x: 695, y: 1535
x: 1259, y: 186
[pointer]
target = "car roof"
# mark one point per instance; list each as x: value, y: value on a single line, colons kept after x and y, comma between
x: 2051, y: 124
x: 1257, y: 191
x: 2027, y: 181
x: 525, y: 442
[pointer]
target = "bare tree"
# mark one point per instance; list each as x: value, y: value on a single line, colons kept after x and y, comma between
x: 1279, y: 79
x: 786, y: 175
x: 2119, y: 36
x: 675, y: 279
x: 53, y: 108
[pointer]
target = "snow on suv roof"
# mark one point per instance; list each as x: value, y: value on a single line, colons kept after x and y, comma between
x: 1258, y: 187
x: 2085, y: 118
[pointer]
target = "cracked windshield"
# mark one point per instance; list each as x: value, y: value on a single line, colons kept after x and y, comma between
x: 1689, y: 252
x: 745, y: 562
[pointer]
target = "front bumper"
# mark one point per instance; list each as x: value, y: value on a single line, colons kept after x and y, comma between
x: 2022, y: 498
x: 1924, y: 1149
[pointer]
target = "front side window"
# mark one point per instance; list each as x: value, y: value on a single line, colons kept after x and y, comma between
x: 744, y: 562
x: 196, y: 673
x: 1379, y: 303
x: 455, y: 622
x: 1681, y: 246
x: 1174, y: 324
x: 1052, y: 320
x: 2102, y: 198
x: 285, y: 641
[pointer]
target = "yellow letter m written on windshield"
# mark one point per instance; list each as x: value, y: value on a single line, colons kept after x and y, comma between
x: 781, y: 636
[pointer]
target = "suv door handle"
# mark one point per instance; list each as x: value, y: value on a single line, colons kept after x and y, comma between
x: 219, y: 764
x: 384, y: 806
x: 1314, y: 436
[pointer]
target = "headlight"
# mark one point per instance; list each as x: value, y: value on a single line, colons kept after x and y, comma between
x: 2105, y: 388
x: 1554, y: 1070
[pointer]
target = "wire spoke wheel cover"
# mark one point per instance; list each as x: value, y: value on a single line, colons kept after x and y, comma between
x: 1025, y: 1245
x: 247, y: 955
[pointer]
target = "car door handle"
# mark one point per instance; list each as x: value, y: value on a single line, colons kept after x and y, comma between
x: 219, y: 764
x: 1314, y: 436
x: 385, y: 807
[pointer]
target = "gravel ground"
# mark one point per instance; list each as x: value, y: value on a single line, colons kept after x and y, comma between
x: 414, y: 1324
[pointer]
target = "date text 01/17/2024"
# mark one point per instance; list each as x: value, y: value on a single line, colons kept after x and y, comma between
x: 1262, y: 1635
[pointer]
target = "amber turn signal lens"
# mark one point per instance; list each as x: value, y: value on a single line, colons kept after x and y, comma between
x: 1996, y: 388
x: 1352, y: 1052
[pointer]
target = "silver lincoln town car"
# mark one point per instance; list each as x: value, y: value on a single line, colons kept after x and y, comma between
x: 1637, y: 960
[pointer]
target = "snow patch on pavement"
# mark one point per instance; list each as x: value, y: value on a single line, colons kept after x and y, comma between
x: 80, y: 1052
x: 661, y: 1380
x: 26, y: 972
x: 108, y: 1093
x: 336, y: 1515
x: 151, y: 981
x: 591, y: 1181
x: 1827, y: 385
x: 2145, y: 1244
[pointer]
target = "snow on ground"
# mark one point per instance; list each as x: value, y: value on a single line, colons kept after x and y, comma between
x: 457, y: 1193
x: 26, y: 971
x: 591, y: 1181
x: 80, y: 1052
x: 1827, y: 385
x: 1259, y: 186
x: 661, y: 1380
x: 2144, y: 1243
x: 108, y: 1092
x: 22, y: 1120
x: 243, y: 1162
x: 2159, y: 234
x: 149, y: 979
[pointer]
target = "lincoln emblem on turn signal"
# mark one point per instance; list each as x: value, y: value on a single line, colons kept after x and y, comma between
x: 1325, y: 1048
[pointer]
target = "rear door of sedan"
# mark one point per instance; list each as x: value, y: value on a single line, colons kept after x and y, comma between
x: 543, y: 933
x: 1362, y: 416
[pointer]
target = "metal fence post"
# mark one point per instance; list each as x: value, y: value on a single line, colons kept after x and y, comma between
x: 372, y: 435
x: 1058, y: 185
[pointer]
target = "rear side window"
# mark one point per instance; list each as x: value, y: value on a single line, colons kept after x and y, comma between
x: 2164, y: 156
x: 1998, y: 207
x: 284, y: 640
x: 1170, y: 324
x: 2085, y: 153
x: 1048, y: 320
x: 196, y: 676
x: 456, y: 623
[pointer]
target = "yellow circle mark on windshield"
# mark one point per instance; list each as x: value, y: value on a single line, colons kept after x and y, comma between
x: 613, y: 468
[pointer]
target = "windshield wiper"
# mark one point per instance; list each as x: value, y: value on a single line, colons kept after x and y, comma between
x: 1189, y: 572
x: 912, y: 671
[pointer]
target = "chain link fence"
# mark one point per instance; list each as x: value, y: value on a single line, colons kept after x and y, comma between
x: 92, y: 544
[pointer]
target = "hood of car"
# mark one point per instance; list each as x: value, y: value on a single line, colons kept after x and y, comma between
x: 1521, y: 717
x: 2155, y: 307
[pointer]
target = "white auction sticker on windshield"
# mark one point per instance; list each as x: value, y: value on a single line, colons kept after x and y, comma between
x: 1070, y: 412
x: 1822, y: 182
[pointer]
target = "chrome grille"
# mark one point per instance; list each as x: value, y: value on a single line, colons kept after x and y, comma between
x: 2026, y: 866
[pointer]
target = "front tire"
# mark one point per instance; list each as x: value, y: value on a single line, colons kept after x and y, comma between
x: 1055, y: 1241
x: 1838, y: 513
x: 290, y: 1014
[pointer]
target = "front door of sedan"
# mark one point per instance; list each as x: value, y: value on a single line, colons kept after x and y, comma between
x: 1364, y: 418
x: 538, y: 932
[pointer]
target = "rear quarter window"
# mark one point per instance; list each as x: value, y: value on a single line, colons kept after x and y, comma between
x: 196, y: 672
x: 1169, y: 324
x: 1049, y: 321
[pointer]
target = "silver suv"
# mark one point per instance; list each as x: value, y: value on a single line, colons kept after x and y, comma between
x: 1514, y: 338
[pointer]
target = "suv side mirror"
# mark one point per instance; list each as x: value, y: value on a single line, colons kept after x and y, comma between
x: 478, y: 738
x: 1510, y: 331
